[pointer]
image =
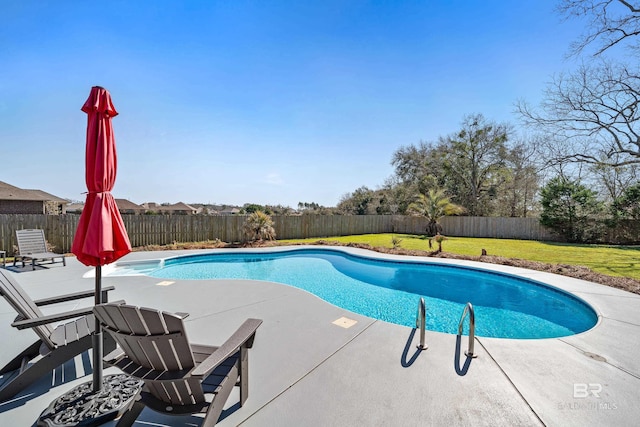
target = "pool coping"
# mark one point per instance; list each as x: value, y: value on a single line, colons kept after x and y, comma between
x: 307, y: 371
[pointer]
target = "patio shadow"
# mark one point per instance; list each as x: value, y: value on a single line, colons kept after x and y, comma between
x: 63, y: 374
x: 461, y: 370
x: 405, y: 353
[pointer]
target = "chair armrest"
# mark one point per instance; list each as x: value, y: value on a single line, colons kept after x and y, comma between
x: 53, y: 318
x: 32, y: 323
x: 73, y: 296
x: 181, y: 314
x: 243, y: 336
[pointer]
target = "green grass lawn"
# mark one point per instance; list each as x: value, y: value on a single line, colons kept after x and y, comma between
x: 621, y: 261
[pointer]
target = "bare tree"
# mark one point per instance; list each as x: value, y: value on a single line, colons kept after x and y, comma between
x: 612, y: 183
x: 594, y: 114
x: 517, y: 196
x: 610, y: 23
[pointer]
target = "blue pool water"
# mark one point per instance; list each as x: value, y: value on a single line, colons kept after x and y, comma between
x: 505, y: 306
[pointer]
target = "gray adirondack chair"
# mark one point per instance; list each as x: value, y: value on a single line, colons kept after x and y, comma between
x: 177, y: 375
x: 56, y: 346
x: 32, y: 245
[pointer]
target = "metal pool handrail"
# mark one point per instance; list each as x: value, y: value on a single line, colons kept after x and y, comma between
x: 472, y: 328
x: 420, y: 322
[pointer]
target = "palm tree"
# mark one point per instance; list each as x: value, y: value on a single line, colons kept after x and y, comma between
x: 433, y: 206
x: 259, y: 226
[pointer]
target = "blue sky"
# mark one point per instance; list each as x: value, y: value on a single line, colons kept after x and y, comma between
x: 269, y: 102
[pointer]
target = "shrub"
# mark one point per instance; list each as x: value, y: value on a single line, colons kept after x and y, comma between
x: 258, y: 226
x: 395, y: 242
x: 439, y: 238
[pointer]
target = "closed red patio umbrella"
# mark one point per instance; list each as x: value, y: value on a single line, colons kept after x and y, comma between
x: 101, y: 237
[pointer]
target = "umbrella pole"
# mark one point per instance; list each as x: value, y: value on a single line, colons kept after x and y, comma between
x: 108, y: 399
x: 97, y: 336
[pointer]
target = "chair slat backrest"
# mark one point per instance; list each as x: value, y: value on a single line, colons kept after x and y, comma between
x: 24, y: 306
x: 31, y: 241
x: 150, y: 338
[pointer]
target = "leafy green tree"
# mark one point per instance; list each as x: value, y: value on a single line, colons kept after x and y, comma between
x: 410, y: 178
x: 627, y: 206
x: 433, y: 206
x: 474, y: 162
x: 571, y: 210
x: 413, y: 163
x: 397, y: 196
x: 250, y: 208
x: 363, y: 201
x: 258, y: 226
x: 470, y: 165
x: 314, y: 208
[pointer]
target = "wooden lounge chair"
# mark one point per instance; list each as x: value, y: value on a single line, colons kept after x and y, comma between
x: 177, y: 375
x: 56, y: 346
x: 32, y: 245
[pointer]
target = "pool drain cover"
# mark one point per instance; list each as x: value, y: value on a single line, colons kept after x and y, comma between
x: 344, y: 322
x: 165, y: 283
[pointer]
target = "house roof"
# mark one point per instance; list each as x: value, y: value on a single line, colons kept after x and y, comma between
x: 125, y: 204
x: 10, y: 192
x: 230, y: 210
x: 177, y: 207
x: 48, y: 196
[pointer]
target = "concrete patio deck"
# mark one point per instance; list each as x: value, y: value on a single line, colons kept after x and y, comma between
x: 307, y: 371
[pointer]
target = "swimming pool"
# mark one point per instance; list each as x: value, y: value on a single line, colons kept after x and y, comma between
x: 506, y: 306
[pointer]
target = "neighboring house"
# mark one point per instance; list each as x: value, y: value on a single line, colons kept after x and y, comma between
x: 124, y: 207
x: 127, y: 207
x: 14, y: 200
x: 230, y: 211
x: 54, y: 205
x: 203, y: 209
x: 176, y: 209
x: 75, y: 208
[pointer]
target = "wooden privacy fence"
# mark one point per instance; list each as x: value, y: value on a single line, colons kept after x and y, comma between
x: 146, y: 230
x: 497, y: 227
